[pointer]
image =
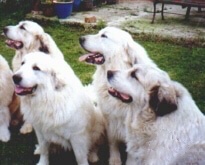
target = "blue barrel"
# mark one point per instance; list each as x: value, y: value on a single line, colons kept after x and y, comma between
x: 63, y: 9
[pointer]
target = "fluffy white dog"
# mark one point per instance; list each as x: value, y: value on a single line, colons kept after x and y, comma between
x: 6, y: 93
x: 25, y: 37
x: 28, y: 36
x: 112, y: 48
x: 163, y: 121
x: 55, y: 102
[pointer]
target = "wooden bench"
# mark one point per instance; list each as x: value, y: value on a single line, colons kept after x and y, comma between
x: 184, y: 3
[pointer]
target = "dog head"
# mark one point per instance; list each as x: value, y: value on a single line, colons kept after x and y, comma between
x: 39, y: 71
x: 107, y: 44
x: 26, y: 35
x: 144, y: 86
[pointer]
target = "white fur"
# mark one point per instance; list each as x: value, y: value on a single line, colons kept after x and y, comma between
x: 6, y: 93
x: 120, y: 52
x: 34, y: 39
x: 59, y: 109
x: 176, y: 137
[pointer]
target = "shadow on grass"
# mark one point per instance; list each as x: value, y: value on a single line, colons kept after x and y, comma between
x: 19, y: 151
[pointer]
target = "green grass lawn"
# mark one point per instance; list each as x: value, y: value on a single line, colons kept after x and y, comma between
x: 185, y: 64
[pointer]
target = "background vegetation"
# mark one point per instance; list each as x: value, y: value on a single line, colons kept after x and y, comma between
x: 184, y: 63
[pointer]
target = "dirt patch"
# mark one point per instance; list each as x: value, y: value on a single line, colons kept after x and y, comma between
x: 136, y: 15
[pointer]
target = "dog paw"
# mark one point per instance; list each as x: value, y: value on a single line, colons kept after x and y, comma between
x: 26, y: 128
x: 37, y: 150
x: 43, y: 161
x: 93, y: 157
x: 4, y: 134
x: 115, y: 161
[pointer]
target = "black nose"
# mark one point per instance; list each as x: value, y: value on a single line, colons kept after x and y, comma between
x: 82, y: 40
x: 110, y: 74
x: 17, y: 79
x: 5, y: 30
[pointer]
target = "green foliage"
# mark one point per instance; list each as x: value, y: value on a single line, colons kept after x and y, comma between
x: 46, y: 1
x: 15, y: 8
x: 101, y: 24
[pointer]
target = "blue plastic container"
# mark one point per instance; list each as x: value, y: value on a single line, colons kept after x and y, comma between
x: 63, y: 9
x: 76, y: 5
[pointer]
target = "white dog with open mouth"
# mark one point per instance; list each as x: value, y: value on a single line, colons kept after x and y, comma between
x: 28, y: 36
x: 6, y: 93
x: 25, y: 37
x: 55, y: 102
x: 112, y: 48
x: 163, y: 121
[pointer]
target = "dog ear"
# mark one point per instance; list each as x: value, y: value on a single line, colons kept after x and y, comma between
x: 163, y: 100
x: 58, y: 80
x: 135, y: 51
x: 43, y: 47
x: 130, y: 51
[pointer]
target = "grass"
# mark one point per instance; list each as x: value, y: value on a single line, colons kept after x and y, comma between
x: 184, y: 64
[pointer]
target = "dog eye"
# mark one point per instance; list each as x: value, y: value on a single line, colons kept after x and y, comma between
x: 22, y: 63
x: 103, y: 36
x: 22, y: 27
x: 133, y: 75
x: 36, y: 68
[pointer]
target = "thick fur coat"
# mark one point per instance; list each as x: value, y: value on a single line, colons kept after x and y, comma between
x: 55, y: 102
x: 163, y: 125
x: 25, y: 37
x: 112, y: 48
x: 6, y: 95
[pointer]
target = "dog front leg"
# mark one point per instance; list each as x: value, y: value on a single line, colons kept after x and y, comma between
x: 42, y: 149
x: 26, y: 128
x: 4, y: 124
x: 115, y: 158
x: 80, y: 147
x: 43, y: 160
x: 131, y: 160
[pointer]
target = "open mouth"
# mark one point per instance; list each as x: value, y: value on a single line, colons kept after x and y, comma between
x: 93, y: 58
x: 122, y: 96
x: 14, y: 44
x: 19, y: 90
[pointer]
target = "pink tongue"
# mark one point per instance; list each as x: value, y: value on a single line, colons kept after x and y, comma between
x: 12, y: 42
x: 98, y: 59
x: 19, y: 89
x: 17, y: 44
x: 124, y: 96
x: 83, y: 58
x: 9, y: 42
x: 111, y: 89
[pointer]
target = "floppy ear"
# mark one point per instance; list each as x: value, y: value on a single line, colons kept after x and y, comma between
x: 163, y: 100
x: 131, y: 51
x: 43, y: 40
x: 58, y: 80
x: 135, y: 52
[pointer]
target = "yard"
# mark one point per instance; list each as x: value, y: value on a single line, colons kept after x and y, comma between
x: 185, y: 63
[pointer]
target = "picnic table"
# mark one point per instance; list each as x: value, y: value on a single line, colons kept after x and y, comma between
x: 184, y: 3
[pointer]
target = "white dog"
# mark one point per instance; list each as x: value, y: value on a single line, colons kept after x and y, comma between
x: 54, y: 101
x: 28, y: 36
x: 112, y: 48
x: 6, y: 93
x: 163, y: 122
x: 25, y: 37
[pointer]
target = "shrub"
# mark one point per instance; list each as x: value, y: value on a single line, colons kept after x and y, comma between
x: 15, y: 8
